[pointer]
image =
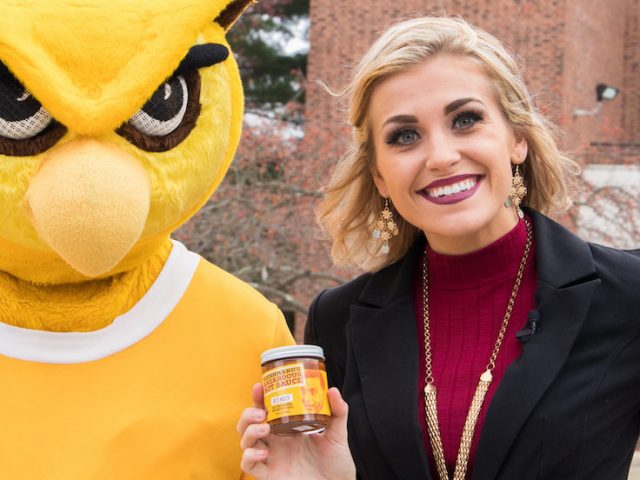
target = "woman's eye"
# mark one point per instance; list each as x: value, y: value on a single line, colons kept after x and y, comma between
x: 164, y: 111
x: 466, y: 120
x: 403, y: 137
x: 21, y: 116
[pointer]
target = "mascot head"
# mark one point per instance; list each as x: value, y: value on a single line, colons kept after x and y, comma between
x: 118, y: 119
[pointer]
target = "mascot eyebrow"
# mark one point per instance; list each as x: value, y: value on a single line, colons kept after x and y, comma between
x: 200, y: 56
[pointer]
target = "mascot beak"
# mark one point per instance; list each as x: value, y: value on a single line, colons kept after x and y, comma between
x: 89, y: 202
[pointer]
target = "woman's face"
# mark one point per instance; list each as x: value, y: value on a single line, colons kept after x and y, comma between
x: 444, y: 152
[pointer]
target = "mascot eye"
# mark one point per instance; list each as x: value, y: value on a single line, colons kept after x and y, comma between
x: 164, y: 112
x: 26, y: 128
x: 168, y: 116
x: 21, y: 116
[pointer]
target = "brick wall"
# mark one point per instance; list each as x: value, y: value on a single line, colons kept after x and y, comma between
x: 631, y: 73
x: 566, y: 46
x: 593, y: 53
x: 626, y: 153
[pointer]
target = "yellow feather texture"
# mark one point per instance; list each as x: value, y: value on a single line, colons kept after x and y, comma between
x: 92, y: 64
x: 84, y: 307
x: 182, y: 179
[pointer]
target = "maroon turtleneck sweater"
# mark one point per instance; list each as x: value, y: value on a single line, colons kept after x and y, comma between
x: 468, y: 296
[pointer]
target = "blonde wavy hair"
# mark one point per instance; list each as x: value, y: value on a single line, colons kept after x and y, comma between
x: 352, y: 203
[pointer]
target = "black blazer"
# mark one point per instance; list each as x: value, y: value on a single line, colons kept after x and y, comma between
x: 567, y: 409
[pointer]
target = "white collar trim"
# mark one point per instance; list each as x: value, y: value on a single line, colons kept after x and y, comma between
x: 126, y: 330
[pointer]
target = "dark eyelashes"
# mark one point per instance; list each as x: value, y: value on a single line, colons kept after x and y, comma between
x: 394, y: 136
x: 470, y: 116
x: 475, y: 115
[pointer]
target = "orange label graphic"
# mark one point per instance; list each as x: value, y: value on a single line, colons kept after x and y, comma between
x: 293, y: 390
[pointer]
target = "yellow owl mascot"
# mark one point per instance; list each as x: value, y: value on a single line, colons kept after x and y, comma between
x: 122, y: 354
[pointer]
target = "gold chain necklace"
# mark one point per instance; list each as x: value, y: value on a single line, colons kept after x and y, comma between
x: 430, y: 404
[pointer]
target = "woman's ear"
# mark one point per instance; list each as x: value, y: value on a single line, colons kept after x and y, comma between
x: 381, y: 185
x: 520, y: 151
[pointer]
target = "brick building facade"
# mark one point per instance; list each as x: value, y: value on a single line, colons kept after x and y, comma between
x: 566, y: 47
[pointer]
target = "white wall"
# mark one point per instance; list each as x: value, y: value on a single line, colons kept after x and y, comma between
x: 609, y: 205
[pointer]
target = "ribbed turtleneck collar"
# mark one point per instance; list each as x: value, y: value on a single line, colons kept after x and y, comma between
x: 492, y: 263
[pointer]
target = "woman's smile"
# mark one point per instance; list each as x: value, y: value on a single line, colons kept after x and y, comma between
x: 451, y: 190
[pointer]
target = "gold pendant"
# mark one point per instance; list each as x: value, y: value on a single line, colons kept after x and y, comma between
x: 433, y: 430
x: 431, y: 409
x: 462, y: 461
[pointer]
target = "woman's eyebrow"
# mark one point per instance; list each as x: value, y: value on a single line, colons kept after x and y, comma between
x: 456, y: 104
x: 453, y: 106
x: 401, y: 119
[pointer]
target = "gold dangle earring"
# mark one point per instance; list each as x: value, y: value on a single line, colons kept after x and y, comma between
x: 517, y: 193
x: 385, y: 227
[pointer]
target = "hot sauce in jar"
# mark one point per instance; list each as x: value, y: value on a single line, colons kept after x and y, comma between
x: 294, y: 381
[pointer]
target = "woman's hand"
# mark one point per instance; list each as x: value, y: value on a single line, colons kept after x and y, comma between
x: 317, y: 456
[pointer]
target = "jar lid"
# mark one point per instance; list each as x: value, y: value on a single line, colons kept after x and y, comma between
x: 293, y: 351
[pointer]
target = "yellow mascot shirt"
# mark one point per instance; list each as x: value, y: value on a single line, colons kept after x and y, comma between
x: 154, y: 396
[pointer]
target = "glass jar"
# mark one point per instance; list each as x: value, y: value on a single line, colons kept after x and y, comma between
x: 294, y: 380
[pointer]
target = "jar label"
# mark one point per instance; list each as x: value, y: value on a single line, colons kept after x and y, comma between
x: 294, y: 390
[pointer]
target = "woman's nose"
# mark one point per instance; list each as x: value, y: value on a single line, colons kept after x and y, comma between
x: 441, y: 152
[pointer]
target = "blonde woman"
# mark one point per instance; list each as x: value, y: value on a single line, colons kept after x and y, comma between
x: 486, y: 341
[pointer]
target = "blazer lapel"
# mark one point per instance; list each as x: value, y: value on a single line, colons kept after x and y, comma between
x: 566, y: 282
x: 384, y: 344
